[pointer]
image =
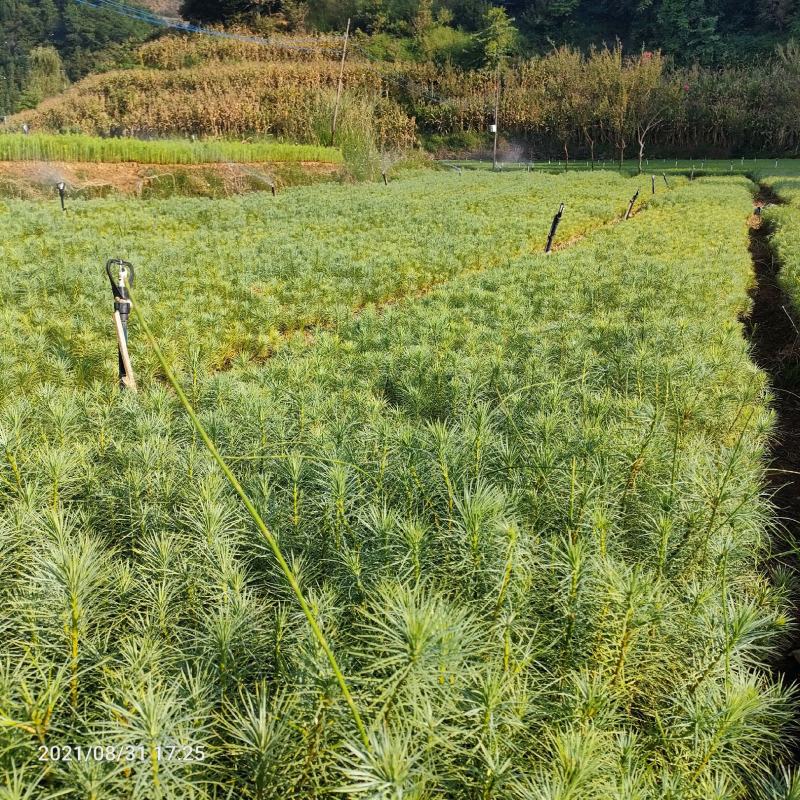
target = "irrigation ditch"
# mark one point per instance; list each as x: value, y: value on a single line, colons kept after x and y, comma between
x: 772, y: 327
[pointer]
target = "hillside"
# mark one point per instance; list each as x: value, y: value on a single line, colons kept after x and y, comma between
x: 564, y: 105
x: 45, y: 42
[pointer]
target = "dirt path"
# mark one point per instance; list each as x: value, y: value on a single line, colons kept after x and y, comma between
x: 773, y: 330
x: 131, y: 178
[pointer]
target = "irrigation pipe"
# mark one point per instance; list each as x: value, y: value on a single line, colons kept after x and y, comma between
x: 260, y: 524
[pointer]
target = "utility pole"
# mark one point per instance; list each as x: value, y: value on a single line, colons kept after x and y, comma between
x: 339, y: 88
x: 496, y: 116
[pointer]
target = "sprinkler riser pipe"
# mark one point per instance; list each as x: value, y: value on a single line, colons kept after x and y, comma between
x: 554, y: 228
x: 122, y: 306
x: 124, y: 309
x: 630, y: 205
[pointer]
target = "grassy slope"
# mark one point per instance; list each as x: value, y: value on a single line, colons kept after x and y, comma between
x: 525, y: 506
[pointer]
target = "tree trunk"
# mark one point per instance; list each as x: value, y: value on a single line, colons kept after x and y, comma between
x: 641, y: 153
x: 590, y: 142
x: 496, y: 117
x: 566, y: 157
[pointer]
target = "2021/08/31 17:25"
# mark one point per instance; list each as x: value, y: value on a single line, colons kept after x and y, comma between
x: 129, y: 753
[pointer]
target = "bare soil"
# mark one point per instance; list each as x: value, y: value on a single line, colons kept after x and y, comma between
x: 166, y: 8
x: 131, y: 178
x: 773, y: 329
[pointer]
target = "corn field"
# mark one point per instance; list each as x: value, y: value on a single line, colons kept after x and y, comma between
x: 179, y: 52
x: 293, y: 101
x: 520, y: 494
x: 563, y: 102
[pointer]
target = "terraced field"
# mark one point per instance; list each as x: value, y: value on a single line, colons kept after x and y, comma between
x: 521, y: 498
x: 233, y: 277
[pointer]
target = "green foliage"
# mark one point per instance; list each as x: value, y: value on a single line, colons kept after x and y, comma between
x: 46, y: 147
x: 525, y: 506
x: 498, y: 37
x: 45, y: 77
x: 216, y: 10
x: 785, y: 238
x: 85, y: 33
x: 710, y: 32
x: 28, y: 29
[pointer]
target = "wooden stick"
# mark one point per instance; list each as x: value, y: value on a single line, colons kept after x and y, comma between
x: 339, y: 87
x: 128, y: 380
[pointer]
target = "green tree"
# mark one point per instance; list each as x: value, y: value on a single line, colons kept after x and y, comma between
x: 650, y: 97
x: 689, y: 29
x: 499, y: 38
x: 23, y: 25
x: 614, y: 95
x: 45, y: 78
x: 565, y: 92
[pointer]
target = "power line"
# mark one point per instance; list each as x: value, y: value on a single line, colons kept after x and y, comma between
x: 143, y: 15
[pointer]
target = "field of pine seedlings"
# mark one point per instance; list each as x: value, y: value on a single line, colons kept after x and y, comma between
x: 786, y: 237
x: 507, y: 538
x: 237, y: 277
